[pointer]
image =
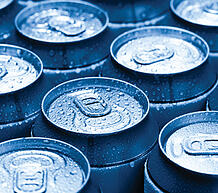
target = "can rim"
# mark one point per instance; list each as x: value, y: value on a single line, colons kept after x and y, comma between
x: 161, y: 138
x: 33, y: 54
x: 7, y: 3
x: 62, y: 143
x: 159, y: 27
x: 173, y: 9
x: 24, y: 10
x: 95, y: 134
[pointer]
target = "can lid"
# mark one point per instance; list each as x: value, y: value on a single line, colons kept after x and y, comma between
x: 42, y: 165
x: 61, y: 21
x: 159, y: 50
x: 5, y: 3
x: 190, y: 141
x: 19, y: 68
x: 213, y: 102
x: 95, y: 106
x: 201, y: 12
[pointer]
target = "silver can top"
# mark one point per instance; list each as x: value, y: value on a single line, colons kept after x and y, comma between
x: 5, y: 3
x: 191, y: 141
x: 159, y: 50
x: 61, y: 21
x: 201, y: 12
x: 18, y: 68
x: 95, y: 106
x: 41, y: 165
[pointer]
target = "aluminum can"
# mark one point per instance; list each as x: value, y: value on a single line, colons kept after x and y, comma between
x: 127, y: 14
x: 8, y: 11
x: 186, y: 159
x: 198, y: 16
x: 6, y: 19
x: 169, y: 64
x: 212, y: 101
x: 109, y: 121
x: 71, y: 38
x: 42, y: 165
x: 20, y: 92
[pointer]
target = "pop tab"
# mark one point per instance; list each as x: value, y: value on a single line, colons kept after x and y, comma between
x: 30, y: 179
x: 92, y: 105
x: 201, y: 145
x: 156, y: 54
x: 67, y: 25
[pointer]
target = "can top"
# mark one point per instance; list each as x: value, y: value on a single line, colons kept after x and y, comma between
x: 95, y: 106
x: 190, y: 141
x: 213, y: 102
x: 19, y: 68
x: 159, y: 50
x: 5, y: 3
x: 61, y: 21
x: 42, y: 165
x: 201, y: 12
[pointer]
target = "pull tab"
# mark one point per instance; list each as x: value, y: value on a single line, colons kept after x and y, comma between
x: 158, y: 54
x: 3, y: 71
x: 92, y: 105
x: 201, y: 145
x: 67, y: 25
x: 212, y: 8
x: 30, y: 179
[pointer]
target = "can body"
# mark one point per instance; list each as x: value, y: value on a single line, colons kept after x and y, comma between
x: 170, y: 93
x: 188, y: 177
x: 108, y: 153
x: 111, y: 178
x: 126, y: 15
x: 212, y: 104
x: 20, y: 92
